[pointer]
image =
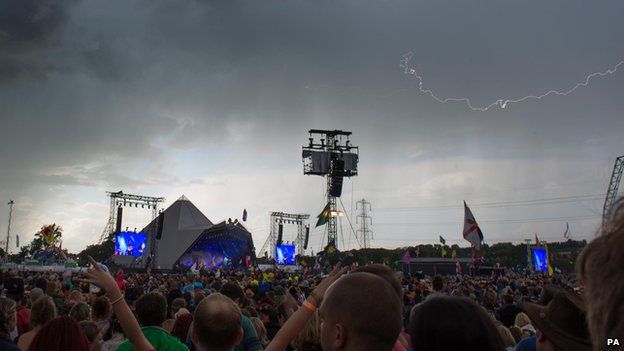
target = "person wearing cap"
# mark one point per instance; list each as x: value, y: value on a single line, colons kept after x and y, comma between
x: 561, y: 324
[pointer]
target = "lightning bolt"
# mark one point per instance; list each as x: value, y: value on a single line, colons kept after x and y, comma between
x: 501, y: 103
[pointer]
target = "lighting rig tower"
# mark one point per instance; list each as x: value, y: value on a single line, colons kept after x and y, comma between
x: 528, y: 245
x: 330, y: 154
x: 8, y: 238
x: 278, y: 219
x: 364, y: 219
x: 118, y: 200
x: 612, y: 190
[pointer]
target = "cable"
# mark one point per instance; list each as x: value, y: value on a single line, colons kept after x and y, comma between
x: 351, y: 225
x: 543, y: 201
x: 526, y: 220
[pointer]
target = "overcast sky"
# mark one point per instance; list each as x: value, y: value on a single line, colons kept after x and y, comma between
x: 213, y: 100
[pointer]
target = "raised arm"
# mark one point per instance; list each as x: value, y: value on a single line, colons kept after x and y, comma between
x: 293, y: 326
x: 129, y: 324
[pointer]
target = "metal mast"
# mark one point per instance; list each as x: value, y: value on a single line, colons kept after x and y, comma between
x: 528, y: 245
x: 6, y: 246
x: 332, y: 157
x: 364, y: 219
x: 612, y: 190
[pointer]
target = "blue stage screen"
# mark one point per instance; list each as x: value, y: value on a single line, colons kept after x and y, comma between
x: 285, y: 254
x: 540, y: 260
x: 130, y: 244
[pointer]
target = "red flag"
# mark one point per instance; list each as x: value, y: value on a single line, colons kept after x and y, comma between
x: 458, y: 267
x: 472, y: 233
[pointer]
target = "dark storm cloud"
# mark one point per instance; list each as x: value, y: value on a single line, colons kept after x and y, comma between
x: 30, y: 28
x: 134, y: 94
x: 116, y: 84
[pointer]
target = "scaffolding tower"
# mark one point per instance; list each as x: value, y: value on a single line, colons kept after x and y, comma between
x: 334, y: 157
x: 119, y: 199
x: 612, y: 190
x: 281, y: 218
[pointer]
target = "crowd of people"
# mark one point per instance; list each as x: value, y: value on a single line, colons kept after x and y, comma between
x: 369, y: 307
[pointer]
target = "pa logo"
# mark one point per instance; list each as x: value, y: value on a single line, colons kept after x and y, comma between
x: 613, y: 342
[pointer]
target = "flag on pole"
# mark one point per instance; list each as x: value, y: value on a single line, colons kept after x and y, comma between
x: 537, y: 242
x: 472, y: 232
x: 244, y: 215
x: 323, y: 217
x: 406, y: 257
x: 442, y: 240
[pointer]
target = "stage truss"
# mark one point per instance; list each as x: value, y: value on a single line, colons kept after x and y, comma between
x: 282, y: 218
x: 119, y: 199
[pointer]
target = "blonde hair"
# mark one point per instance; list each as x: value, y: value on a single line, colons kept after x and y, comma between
x: 260, y: 330
x: 522, y: 319
x: 76, y: 296
x: 42, y: 311
x: 310, y: 337
x: 7, y: 311
x: 80, y: 312
x: 506, y: 336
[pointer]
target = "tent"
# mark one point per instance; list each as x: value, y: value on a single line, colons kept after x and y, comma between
x: 227, y: 243
x: 183, y: 223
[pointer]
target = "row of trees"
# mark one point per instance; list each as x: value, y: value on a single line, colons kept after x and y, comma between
x: 562, y: 254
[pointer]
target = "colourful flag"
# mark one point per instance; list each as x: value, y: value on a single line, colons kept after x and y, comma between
x: 323, y: 217
x: 406, y: 257
x: 472, y: 233
x: 244, y: 215
x: 443, y: 252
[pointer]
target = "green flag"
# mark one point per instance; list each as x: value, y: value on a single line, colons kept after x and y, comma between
x: 323, y: 217
x: 443, y: 252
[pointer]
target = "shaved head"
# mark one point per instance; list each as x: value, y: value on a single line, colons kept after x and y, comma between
x: 360, y: 311
x: 217, y: 324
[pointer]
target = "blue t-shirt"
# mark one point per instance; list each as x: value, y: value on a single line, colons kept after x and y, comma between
x: 528, y: 344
